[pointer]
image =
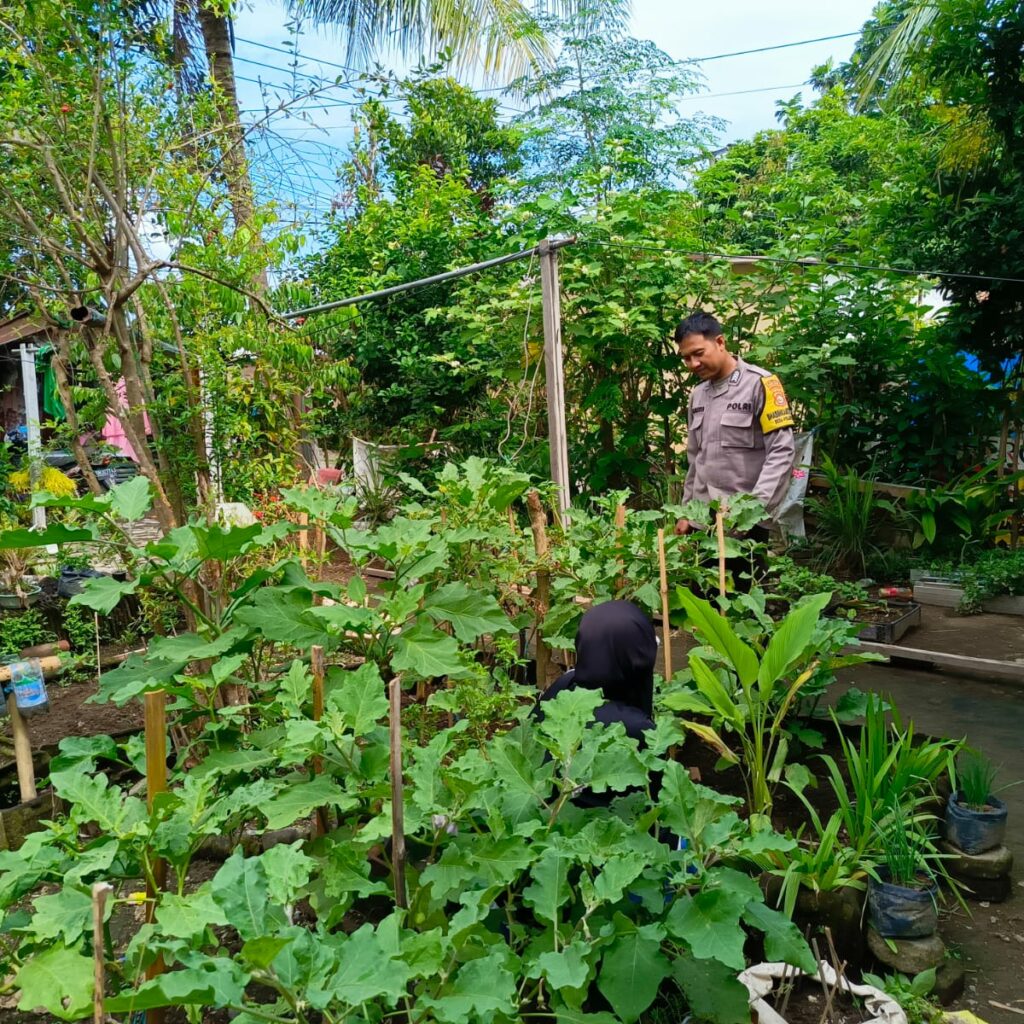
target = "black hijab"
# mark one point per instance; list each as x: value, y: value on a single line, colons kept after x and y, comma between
x: 616, y: 648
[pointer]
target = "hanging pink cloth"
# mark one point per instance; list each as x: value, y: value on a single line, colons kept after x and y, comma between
x: 113, y: 433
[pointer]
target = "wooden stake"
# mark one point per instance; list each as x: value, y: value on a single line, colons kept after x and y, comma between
x: 720, y: 531
x: 155, y: 709
x: 620, y: 525
x: 542, y: 593
x: 96, y: 627
x: 321, y: 824
x: 304, y: 539
x: 22, y: 750
x: 666, y: 629
x: 100, y: 892
x: 50, y: 666
x: 397, y: 795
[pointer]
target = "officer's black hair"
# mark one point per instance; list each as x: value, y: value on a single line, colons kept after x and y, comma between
x: 698, y: 322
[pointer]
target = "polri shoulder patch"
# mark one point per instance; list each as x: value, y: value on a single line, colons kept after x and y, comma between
x: 776, y: 413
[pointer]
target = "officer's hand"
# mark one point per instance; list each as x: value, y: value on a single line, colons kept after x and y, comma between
x: 683, y: 526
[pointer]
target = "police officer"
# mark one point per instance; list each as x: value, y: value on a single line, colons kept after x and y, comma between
x: 740, y: 429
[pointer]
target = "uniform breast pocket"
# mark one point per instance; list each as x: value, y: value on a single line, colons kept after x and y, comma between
x: 737, y: 429
x: 695, y: 432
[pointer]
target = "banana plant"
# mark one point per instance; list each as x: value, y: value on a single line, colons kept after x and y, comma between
x: 753, y: 691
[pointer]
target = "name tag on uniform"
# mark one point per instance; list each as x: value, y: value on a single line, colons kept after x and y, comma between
x: 776, y: 413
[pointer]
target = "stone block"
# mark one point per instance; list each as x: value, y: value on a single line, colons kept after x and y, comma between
x: 910, y: 956
x: 994, y: 863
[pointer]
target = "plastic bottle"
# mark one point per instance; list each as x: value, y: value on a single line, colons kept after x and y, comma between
x: 899, y: 593
x: 29, y: 687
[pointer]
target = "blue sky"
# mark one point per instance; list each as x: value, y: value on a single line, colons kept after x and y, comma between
x: 297, y: 160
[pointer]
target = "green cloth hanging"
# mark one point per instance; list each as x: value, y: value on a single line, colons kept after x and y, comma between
x: 52, y: 404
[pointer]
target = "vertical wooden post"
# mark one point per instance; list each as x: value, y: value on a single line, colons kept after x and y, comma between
x: 316, y: 662
x: 100, y: 892
x: 155, y: 709
x: 542, y: 593
x: 666, y: 628
x: 397, y: 795
x: 720, y: 531
x: 553, y: 368
x: 22, y: 751
x: 620, y: 525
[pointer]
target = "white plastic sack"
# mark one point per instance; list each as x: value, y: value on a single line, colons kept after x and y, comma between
x: 790, y: 513
x: 762, y: 978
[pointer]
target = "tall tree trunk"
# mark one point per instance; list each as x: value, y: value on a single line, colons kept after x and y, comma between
x: 217, y: 41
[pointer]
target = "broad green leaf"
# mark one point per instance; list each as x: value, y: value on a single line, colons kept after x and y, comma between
x: 472, y: 613
x: 262, y: 951
x: 93, y: 799
x: 55, y: 533
x: 428, y: 654
x: 614, y: 875
x: 58, y: 980
x: 789, y: 641
x: 296, y: 687
x: 566, y: 968
x: 567, y: 718
x: 222, y: 544
x: 131, y: 500
x: 213, y: 982
x: 720, y: 635
x: 782, y: 938
x: 283, y: 617
x: 709, y: 923
x: 482, y: 989
x: 632, y: 969
x: 240, y: 889
x: 364, y: 972
x: 65, y: 914
x: 297, y: 801
x: 187, y: 917
x: 549, y: 889
x: 288, y: 870
x: 227, y: 762
x: 360, y: 698
x: 103, y: 593
x: 712, y: 991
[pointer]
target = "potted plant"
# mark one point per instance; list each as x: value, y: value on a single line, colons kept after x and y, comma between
x: 975, y: 817
x: 902, y: 893
x: 15, y: 590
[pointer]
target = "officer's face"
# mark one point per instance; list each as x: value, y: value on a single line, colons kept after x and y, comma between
x: 705, y: 357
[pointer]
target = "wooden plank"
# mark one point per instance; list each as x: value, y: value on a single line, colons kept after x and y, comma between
x: 985, y: 666
x: 822, y: 483
x: 554, y: 373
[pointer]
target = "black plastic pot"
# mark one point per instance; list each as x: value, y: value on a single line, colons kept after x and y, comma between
x: 899, y: 912
x: 70, y: 581
x: 975, y: 831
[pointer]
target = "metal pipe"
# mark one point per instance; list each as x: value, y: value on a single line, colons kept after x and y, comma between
x: 86, y: 315
x: 448, y: 275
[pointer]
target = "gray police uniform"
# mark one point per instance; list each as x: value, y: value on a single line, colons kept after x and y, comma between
x: 739, y: 438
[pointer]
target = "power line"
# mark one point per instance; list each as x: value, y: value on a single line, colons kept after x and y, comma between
x: 810, y: 261
x: 766, y: 49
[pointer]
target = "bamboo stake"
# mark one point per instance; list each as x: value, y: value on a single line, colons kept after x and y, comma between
x: 720, y: 531
x: 397, y: 795
x: 155, y: 709
x: 542, y: 593
x: 22, y: 750
x: 304, y: 539
x: 50, y: 666
x: 100, y: 892
x: 620, y: 525
x: 666, y: 628
x: 321, y: 824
